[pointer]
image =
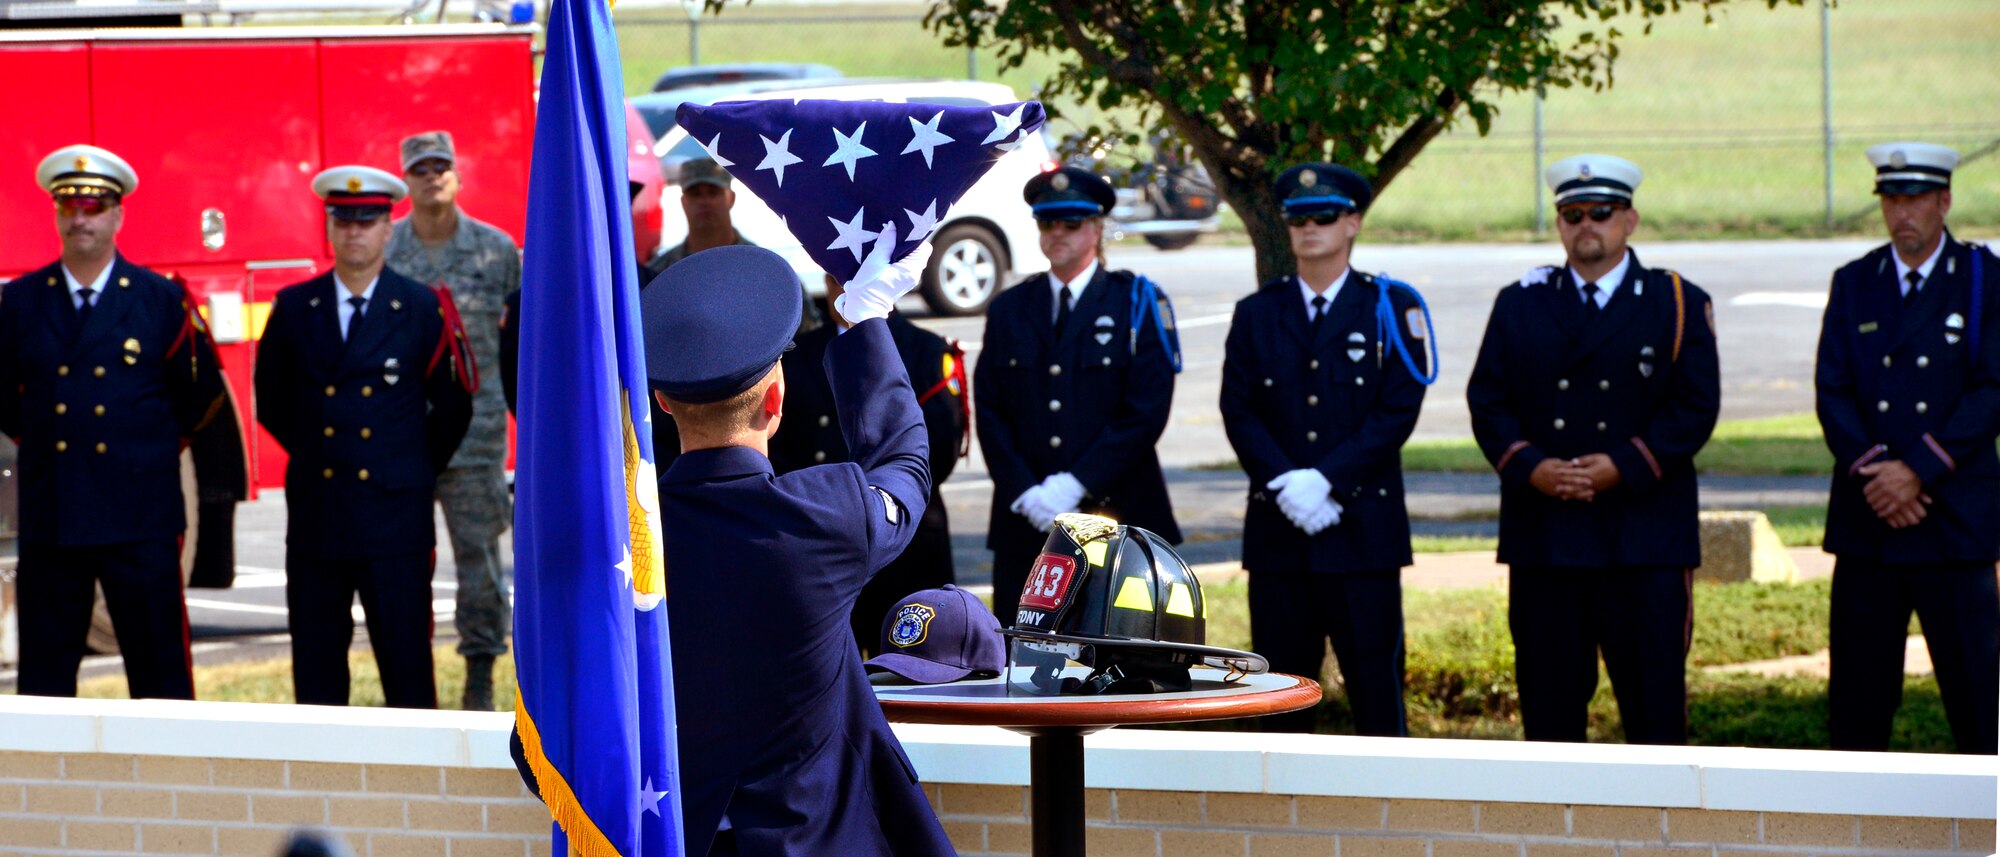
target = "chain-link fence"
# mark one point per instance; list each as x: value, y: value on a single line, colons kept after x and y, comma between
x: 1752, y: 124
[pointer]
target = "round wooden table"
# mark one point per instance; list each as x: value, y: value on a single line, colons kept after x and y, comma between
x: 1055, y: 726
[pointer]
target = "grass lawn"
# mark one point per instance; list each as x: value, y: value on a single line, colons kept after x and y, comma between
x: 1459, y: 671
x: 1773, y: 446
x: 1728, y: 110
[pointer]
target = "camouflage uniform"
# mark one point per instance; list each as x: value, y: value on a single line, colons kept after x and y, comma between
x: 481, y: 266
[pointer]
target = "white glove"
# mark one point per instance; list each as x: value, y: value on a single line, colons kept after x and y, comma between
x: 1300, y: 492
x: 1326, y: 514
x: 1063, y: 492
x: 1033, y: 505
x: 878, y: 285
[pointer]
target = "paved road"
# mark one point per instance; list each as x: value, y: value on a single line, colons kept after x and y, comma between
x: 1768, y: 296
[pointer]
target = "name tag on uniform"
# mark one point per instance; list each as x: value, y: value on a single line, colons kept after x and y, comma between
x: 1868, y: 327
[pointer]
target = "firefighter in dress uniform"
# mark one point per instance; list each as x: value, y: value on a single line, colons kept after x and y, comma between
x: 106, y: 373
x: 363, y: 377
x: 1909, y: 396
x: 1595, y: 386
x: 811, y: 435
x: 1076, y: 382
x: 788, y: 751
x: 1318, y: 400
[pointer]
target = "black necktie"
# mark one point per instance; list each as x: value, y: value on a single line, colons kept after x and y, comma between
x: 1590, y: 307
x: 1916, y: 282
x: 354, y: 321
x: 1318, y: 313
x: 83, y: 310
x: 1062, y: 307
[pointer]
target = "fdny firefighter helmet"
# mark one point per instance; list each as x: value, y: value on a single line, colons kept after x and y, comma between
x: 1120, y: 602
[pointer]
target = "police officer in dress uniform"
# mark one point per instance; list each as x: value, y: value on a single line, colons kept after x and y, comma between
x: 1071, y: 398
x: 787, y: 752
x: 442, y: 246
x: 1909, y: 397
x: 1318, y: 408
x: 106, y: 372
x: 1594, y: 388
x: 811, y: 435
x: 363, y: 380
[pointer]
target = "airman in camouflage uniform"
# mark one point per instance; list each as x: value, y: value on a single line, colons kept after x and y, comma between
x: 439, y: 245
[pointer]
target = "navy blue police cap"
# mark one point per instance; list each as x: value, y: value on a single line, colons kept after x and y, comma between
x: 1310, y: 189
x: 1069, y: 193
x: 717, y: 321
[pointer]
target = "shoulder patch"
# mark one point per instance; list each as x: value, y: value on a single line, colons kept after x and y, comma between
x: 1413, y: 318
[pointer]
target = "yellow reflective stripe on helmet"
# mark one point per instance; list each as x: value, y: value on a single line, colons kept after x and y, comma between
x: 1094, y: 552
x: 1134, y: 594
x: 1180, y: 601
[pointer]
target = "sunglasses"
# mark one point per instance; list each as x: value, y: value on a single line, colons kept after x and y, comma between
x: 1320, y: 219
x: 1068, y: 224
x: 82, y: 205
x: 430, y: 168
x: 1598, y: 214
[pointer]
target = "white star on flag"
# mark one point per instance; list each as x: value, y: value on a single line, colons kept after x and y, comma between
x: 922, y: 225
x: 649, y: 798
x: 927, y: 138
x: 848, y: 149
x: 1004, y: 125
x: 714, y: 149
x: 778, y: 155
x: 625, y: 566
x: 853, y: 236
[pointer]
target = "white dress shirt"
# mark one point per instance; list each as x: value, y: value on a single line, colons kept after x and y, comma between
x: 1608, y: 283
x: 1332, y: 292
x: 345, y: 309
x: 1074, y: 287
x: 96, y: 286
x: 1923, y: 270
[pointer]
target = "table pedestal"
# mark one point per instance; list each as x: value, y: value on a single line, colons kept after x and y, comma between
x: 1055, y: 767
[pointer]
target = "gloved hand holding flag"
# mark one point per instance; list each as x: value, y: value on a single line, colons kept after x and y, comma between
x: 839, y: 171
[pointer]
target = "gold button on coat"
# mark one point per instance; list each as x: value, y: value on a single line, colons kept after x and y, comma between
x: 1604, y: 385
x: 328, y: 432
x: 1923, y: 360
x: 100, y: 449
x: 327, y: 473
x: 62, y: 370
x: 367, y: 433
x: 822, y: 421
x: 1882, y: 406
x: 99, y: 410
x: 363, y: 474
x: 367, y: 391
x: 1886, y: 360
x: 61, y: 408
x: 62, y: 446
x: 1312, y: 401
x: 1055, y: 370
x: 1600, y: 426
x: 99, y: 371
x: 329, y: 390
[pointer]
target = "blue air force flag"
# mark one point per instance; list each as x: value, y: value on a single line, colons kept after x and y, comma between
x: 840, y: 171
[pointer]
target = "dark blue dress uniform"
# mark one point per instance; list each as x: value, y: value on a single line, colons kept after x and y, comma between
x: 1908, y: 381
x: 780, y: 735
x: 368, y: 424
x: 1639, y: 383
x: 810, y: 435
x: 1090, y: 398
x: 101, y: 409
x: 102, y: 397
x: 1328, y: 395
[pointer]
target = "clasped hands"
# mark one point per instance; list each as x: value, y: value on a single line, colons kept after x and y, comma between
x: 1581, y: 478
x: 1895, y: 493
x: 1057, y: 494
x: 1306, y: 498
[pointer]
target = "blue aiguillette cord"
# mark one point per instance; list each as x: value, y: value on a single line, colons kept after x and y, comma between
x: 1148, y: 302
x: 1386, y: 330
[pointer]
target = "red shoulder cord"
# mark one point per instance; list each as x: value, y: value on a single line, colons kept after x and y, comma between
x: 452, y: 340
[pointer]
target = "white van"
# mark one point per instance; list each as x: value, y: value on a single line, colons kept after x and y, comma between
x: 986, y: 242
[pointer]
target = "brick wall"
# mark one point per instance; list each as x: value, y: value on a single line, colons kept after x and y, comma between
x: 100, y: 804
x: 105, y: 804
x: 1131, y: 823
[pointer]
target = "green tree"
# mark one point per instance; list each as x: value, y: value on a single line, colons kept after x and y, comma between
x: 1254, y: 86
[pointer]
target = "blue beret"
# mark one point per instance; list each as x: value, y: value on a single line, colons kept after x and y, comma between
x: 1067, y: 193
x: 717, y: 321
x: 1309, y: 189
